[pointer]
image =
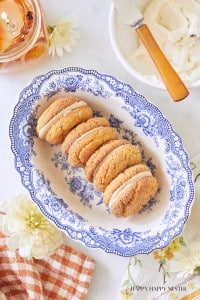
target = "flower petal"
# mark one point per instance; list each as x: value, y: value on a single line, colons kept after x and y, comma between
x: 25, y: 252
x: 195, y: 253
x: 29, y: 231
x: 59, y: 51
x: 13, y: 242
x: 63, y: 37
x: 184, y: 263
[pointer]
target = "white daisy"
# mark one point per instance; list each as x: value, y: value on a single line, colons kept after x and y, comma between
x: 63, y: 36
x: 28, y: 230
x: 186, y: 262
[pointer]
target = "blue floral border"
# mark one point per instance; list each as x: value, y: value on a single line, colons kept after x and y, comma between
x: 146, y: 116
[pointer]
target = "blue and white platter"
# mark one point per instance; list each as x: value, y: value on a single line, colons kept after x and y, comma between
x: 61, y: 191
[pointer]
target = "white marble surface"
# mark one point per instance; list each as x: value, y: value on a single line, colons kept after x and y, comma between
x: 93, y: 51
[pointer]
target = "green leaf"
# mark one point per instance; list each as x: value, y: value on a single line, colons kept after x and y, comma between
x: 162, y: 261
x: 192, y: 165
x: 130, y: 286
x: 137, y: 261
x: 197, y: 269
x: 50, y: 28
x: 181, y: 242
x: 125, y: 283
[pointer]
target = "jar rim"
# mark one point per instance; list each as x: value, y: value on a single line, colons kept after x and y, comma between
x: 25, y: 47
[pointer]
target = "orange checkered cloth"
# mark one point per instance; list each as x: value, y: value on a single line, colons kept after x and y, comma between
x: 65, y: 275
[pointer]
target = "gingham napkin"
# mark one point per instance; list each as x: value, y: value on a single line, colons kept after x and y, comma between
x: 148, y: 276
x: 65, y: 275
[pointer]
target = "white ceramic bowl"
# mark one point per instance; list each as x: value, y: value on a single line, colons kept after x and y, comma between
x: 61, y: 190
x: 125, y: 40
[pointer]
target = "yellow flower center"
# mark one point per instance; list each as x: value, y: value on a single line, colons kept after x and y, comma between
x: 35, y: 220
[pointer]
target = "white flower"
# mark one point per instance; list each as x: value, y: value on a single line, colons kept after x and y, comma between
x: 186, y: 262
x: 28, y: 230
x: 63, y: 36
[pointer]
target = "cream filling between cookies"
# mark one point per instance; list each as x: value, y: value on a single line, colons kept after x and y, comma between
x: 43, y: 131
x: 85, y: 135
x: 127, y: 184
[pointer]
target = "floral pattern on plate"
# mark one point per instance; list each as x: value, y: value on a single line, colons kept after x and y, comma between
x: 61, y: 192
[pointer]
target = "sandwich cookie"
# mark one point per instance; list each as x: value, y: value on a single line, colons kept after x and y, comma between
x: 62, y: 116
x: 82, y: 148
x: 115, y: 162
x: 130, y: 191
x: 97, y: 157
x: 80, y: 129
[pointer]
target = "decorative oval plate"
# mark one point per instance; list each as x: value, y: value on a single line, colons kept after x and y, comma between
x: 61, y: 191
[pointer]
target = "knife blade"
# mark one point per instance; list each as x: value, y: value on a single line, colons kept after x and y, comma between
x: 131, y: 15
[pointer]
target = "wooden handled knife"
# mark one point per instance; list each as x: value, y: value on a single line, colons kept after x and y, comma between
x: 131, y: 16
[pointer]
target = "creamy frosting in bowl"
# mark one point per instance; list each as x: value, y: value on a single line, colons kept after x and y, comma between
x: 175, y: 24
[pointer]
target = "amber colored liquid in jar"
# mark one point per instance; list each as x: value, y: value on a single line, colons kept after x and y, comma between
x: 23, y: 35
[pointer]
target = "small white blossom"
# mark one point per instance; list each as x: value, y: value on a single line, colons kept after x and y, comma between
x: 28, y: 230
x: 187, y: 262
x: 63, y: 36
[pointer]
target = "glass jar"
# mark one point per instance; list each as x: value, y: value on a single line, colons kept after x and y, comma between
x: 23, y: 35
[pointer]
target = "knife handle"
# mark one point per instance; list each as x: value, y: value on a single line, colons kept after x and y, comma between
x: 173, y: 82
